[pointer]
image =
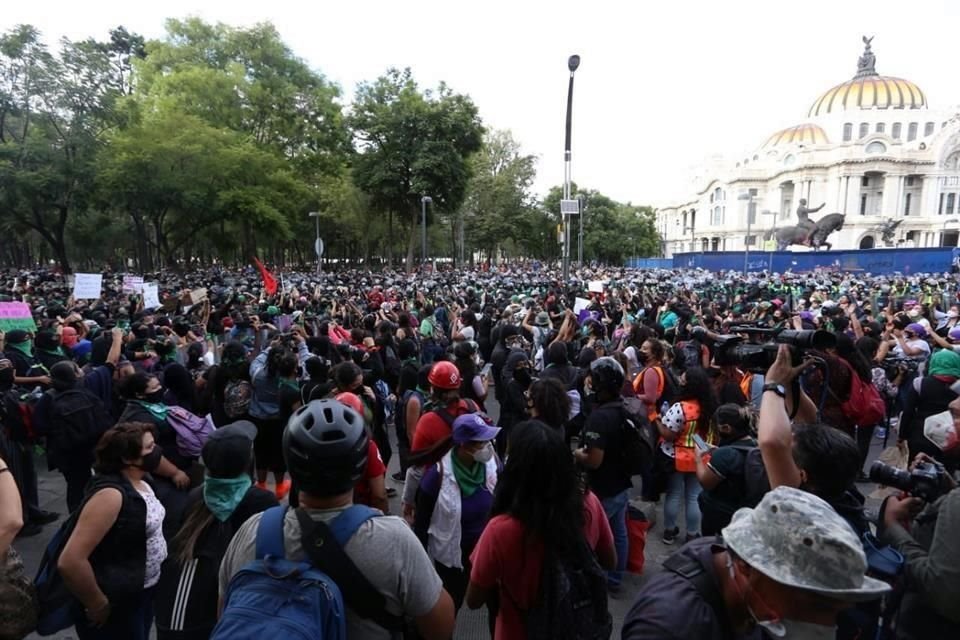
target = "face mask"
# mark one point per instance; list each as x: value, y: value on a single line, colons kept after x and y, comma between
x: 484, y: 455
x: 951, y: 314
x: 807, y: 630
x: 914, y: 313
x: 522, y: 376
x: 156, y: 397
x: 642, y: 357
x: 151, y: 461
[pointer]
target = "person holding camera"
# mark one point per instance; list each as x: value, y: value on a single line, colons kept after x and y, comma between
x: 927, y: 534
x: 927, y: 396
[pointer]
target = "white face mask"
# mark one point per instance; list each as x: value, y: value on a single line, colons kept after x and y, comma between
x: 951, y: 314
x: 484, y: 455
x: 914, y: 313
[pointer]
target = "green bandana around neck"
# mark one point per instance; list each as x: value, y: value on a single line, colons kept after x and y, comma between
x: 25, y: 347
x: 469, y: 478
x: 222, y: 495
x: 157, y: 409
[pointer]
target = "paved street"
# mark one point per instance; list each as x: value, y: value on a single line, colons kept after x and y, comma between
x: 470, y: 625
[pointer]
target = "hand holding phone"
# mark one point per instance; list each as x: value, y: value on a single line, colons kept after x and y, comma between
x: 700, y: 442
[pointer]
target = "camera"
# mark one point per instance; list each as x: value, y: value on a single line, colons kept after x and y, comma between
x: 925, y: 480
x: 758, y: 357
x: 892, y: 365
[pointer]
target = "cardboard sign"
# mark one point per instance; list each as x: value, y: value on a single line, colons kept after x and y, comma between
x: 151, y: 296
x: 132, y: 284
x: 16, y: 315
x: 87, y: 286
x: 580, y: 305
x: 595, y: 286
x: 196, y: 296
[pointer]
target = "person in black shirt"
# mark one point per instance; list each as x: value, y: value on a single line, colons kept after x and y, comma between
x: 600, y: 453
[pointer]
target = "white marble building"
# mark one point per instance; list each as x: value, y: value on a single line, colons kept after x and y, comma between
x: 870, y: 148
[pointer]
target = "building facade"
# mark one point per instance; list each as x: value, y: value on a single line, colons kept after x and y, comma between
x: 871, y: 148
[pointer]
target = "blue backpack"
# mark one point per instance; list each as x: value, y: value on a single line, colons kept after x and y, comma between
x: 274, y: 597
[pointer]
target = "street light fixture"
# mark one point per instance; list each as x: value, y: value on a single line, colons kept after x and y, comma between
x: 573, y: 63
x: 748, y: 196
x: 424, y: 200
x: 318, y: 245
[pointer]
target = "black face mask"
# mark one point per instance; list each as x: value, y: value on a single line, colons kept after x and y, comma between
x: 642, y: 357
x: 523, y: 376
x: 152, y: 460
x: 154, y: 398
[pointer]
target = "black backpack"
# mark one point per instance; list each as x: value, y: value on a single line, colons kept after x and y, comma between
x: 691, y: 354
x: 639, y: 437
x: 572, y: 603
x: 77, y: 420
x: 755, y: 481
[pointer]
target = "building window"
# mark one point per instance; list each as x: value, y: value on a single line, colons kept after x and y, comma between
x: 863, y: 204
x: 750, y: 241
x: 865, y: 181
x: 895, y: 134
x: 711, y: 197
x: 881, y: 127
x: 864, y: 129
x: 847, y: 131
x: 940, y: 208
x: 928, y: 129
x: 912, y: 131
x: 875, y: 147
x: 906, y: 204
x: 910, y: 180
x: 717, y: 216
x: 951, y: 201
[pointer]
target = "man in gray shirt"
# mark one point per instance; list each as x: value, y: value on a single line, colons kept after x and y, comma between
x: 326, y: 460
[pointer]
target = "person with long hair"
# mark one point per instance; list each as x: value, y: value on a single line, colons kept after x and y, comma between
x: 111, y: 561
x: 691, y: 414
x: 466, y: 354
x: 540, y: 513
x: 547, y: 401
x: 649, y: 383
x: 187, y: 594
x: 723, y: 476
x: 862, y: 433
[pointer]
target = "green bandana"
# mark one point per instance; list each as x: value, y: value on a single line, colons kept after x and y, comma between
x: 290, y: 384
x: 55, y: 352
x: 157, y: 410
x: 25, y: 347
x: 222, y: 495
x: 469, y: 479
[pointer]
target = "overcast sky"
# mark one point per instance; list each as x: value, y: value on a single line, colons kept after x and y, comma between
x: 661, y: 84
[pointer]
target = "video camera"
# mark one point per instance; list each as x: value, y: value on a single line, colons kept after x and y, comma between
x: 757, y: 357
x: 892, y: 365
x: 924, y: 481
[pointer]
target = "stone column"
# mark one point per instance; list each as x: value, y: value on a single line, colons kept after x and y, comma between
x: 929, y: 197
x: 889, y: 206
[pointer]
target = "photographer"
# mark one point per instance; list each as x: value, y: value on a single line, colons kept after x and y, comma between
x: 928, y: 396
x: 929, y: 539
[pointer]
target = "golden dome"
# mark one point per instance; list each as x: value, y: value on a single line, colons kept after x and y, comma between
x: 799, y: 134
x: 870, y: 92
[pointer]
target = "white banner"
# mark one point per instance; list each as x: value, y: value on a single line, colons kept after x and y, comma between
x: 595, y: 286
x: 151, y: 298
x: 132, y: 284
x: 87, y: 286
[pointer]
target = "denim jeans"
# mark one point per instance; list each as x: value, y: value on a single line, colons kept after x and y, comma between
x: 686, y: 488
x: 616, y: 509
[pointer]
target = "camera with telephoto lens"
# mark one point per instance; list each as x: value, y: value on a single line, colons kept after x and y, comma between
x: 924, y: 481
x: 892, y: 365
x: 758, y: 357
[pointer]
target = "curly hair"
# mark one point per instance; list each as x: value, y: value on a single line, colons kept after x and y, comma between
x: 120, y: 444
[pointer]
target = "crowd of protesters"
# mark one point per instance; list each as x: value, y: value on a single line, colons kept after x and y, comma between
x: 206, y: 437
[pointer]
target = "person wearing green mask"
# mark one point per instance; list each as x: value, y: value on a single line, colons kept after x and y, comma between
x: 453, y: 504
x: 187, y: 594
x: 17, y: 346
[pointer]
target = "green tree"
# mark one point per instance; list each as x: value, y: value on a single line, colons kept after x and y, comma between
x: 612, y: 231
x: 498, y: 197
x: 412, y: 143
x: 55, y: 111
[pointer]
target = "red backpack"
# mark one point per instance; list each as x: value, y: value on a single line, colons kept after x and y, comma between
x: 864, y: 405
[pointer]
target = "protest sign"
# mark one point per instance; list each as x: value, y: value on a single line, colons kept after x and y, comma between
x: 132, y: 284
x: 595, y: 286
x: 580, y: 305
x: 151, y: 297
x: 16, y: 315
x: 87, y: 286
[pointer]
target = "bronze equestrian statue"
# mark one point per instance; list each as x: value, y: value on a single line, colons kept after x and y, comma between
x: 811, y: 234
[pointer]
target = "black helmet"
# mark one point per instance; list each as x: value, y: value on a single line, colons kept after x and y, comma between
x: 325, y: 447
x: 606, y: 374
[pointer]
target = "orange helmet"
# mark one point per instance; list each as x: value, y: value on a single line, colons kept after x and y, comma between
x: 352, y: 400
x: 444, y: 375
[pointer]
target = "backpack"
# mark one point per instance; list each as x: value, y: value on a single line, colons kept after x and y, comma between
x: 755, y: 481
x: 236, y: 398
x: 77, y: 419
x: 639, y: 437
x: 16, y: 415
x: 573, y: 600
x: 864, y: 405
x: 274, y: 597
x: 192, y: 430
x: 57, y: 603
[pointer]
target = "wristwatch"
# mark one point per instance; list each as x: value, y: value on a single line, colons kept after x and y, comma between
x: 776, y: 388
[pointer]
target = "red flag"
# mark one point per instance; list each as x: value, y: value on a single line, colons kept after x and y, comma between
x: 269, y: 282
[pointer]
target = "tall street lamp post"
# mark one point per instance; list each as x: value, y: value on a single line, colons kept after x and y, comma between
x: 318, y: 245
x: 572, y: 63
